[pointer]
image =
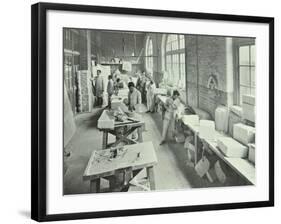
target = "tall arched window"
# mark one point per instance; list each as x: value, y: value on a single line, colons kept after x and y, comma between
x: 175, y: 60
x: 149, y: 54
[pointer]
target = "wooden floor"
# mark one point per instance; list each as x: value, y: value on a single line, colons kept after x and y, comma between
x: 171, y: 171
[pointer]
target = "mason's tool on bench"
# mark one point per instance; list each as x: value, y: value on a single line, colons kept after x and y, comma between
x: 137, y: 157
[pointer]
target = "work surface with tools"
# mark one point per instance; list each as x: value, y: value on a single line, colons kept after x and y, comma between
x: 106, y: 162
x: 110, y: 119
x: 120, y: 124
x: 241, y: 166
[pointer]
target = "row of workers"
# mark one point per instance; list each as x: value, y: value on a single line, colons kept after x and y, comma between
x: 142, y: 92
x: 171, y: 105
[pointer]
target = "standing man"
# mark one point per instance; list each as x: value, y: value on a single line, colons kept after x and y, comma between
x: 171, y: 106
x: 110, y: 90
x: 99, y: 88
x: 150, y: 88
x: 116, y: 86
x: 141, y: 83
x: 134, y: 96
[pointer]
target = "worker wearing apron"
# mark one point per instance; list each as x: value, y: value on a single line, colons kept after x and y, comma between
x: 134, y: 98
x: 150, y: 88
x: 99, y: 88
x: 169, y: 118
x: 110, y: 90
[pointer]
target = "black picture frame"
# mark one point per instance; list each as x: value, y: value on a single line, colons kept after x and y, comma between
x: 39, y: 108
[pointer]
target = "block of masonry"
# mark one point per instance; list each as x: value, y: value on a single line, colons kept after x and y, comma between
x: 244, y: 133
x: 232, y: 148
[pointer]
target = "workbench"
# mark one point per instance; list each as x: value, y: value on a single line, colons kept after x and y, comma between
x: 118, y: 99
x: 195, y: 130
x: 120, y: 129
x: 242, y: 167
x: 130, y: 157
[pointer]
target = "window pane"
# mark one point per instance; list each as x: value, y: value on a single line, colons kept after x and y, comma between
x: 173, y: 37
x: 175, y: 75
x: 175, y: 45
x: 253, y: 91
x: 244, y: 55
x: 175, y: 62
x: 149, y: 52
x: 244, y: 91
x: 244, y: 76
x: 253, y: 77
x: 175, y: 58
x: 182, y: 58
x: 168, y: 59
x: 182, y: 61
x: 169, y: 40
x: 253, y: 54
x: 170, y: 70
x: 172, y: 45
x: 169, y: 65
x: 181, y: 44
x: 182, y: 41
x: 168, y: 47
x: 182, y: 75
x: 182, y: 70
x: 149, y: 47
x: 175, y: 65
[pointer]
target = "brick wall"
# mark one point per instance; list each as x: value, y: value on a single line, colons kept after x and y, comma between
x: 212, y: 60
x: 191, y: 70
x: 207, y: 56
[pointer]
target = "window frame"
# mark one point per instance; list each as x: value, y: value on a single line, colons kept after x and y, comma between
x: 171, y: 53
x: 237, y: 66
x: 149, y: 54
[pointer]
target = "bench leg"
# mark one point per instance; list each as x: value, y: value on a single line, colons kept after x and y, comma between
x: 95, y: 186
x: 140, y: 139
x: 112, y: 183
x: 151, y: 177
x: 196, y: 148
x: 104, y: 139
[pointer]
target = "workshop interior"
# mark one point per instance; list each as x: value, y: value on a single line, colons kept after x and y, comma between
x: 157, y: 111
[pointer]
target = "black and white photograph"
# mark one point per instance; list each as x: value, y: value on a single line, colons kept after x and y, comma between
x: 140, y: 111
x: 145, y: 111
x: 151, y: 111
